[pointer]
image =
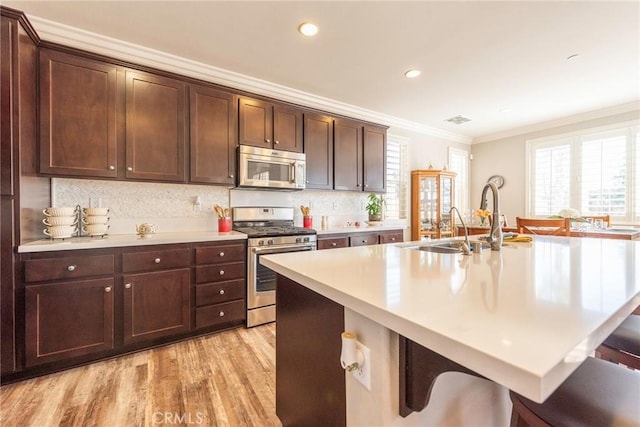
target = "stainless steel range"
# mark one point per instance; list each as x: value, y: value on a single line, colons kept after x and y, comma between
x: 270, y: 231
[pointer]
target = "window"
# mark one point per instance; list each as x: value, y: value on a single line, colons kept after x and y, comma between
x: 596, y: 172
x: 397, y: 196
x: 459, y: 163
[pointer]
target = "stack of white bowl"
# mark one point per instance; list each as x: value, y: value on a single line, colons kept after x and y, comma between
x: 95, y: 221
x: 61, y: 222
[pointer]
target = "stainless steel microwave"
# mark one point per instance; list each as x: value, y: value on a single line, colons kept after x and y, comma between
x: 265, y: 168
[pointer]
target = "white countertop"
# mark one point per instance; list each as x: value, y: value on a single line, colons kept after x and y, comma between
x: 362, y: 229
x: 525, y: 317
x: 120, y: 240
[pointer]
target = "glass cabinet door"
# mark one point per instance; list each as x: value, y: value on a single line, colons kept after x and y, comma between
x: 446, y: 202
x: 429, y: 201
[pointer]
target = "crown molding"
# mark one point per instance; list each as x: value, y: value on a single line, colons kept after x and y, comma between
x: 577, y: 118
x: 81, y: 39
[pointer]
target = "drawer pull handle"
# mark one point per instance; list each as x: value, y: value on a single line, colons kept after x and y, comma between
x: 364, y: 241
x: 393, y: 239
x: 222, y: 314
x: 231, y: 176
x: 71, y: 268
x: 157, y: 260
x: 221, y: 253
x: 112, y: 168
x: 334, y: 244
x: 107, y: 289
x: 221, y: 291
x: 127, y: 285
x: 129, y: 168
x: 222, y: 272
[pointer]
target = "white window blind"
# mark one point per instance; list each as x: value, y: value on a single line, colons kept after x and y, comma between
x: 597, y: 173
x: 459, y: 163
x: 397, y: 196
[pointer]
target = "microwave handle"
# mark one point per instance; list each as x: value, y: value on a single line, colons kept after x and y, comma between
x: 293, y: 172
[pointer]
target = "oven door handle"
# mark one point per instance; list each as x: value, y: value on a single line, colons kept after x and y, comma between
x: 281, y: 249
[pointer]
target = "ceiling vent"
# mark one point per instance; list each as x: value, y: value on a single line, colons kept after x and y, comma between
x: 458, y: 120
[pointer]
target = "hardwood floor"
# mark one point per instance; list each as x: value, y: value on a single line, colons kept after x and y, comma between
x: 226, y: 379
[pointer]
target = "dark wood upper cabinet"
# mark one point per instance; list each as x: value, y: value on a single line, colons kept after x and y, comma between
x: 374, y: 158
x: 78, y: 116
x: 347, y: 155
x: 318, y: 147
x: 155, y: 127
x: 213, y: 136
x: 267, y: 125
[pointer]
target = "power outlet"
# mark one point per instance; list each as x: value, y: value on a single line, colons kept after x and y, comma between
x: 363, y: 373
x: 335, y: 205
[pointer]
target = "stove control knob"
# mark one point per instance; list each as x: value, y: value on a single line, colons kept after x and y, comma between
x: 298, y: 240
x: 270, y: 242
x: 306, y: 239
x: 260, y: 242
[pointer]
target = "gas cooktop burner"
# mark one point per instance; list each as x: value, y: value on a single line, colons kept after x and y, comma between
x: 267, y: 231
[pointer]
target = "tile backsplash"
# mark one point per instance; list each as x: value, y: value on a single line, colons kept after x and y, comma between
x: 172, y: 206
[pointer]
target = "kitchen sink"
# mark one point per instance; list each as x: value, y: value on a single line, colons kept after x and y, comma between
x: 449, y: 247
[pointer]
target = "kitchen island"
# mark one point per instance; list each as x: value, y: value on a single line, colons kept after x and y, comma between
x: 523, y: 318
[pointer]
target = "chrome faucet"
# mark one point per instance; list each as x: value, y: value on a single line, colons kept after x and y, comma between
x: 466, y: 245
x: 495, y: 234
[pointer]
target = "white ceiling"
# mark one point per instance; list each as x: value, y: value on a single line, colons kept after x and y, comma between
x: 477, y: 58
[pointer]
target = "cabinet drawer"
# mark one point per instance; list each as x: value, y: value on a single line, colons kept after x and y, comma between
x: 363, y: 240
x: 220, y: 254
x: 68, y: 267
x: 155, y: 260
x: 220, y: 313
x: 220, y: 272
x: 391, y: 237
x: 333, y: 243
x: 216, y: 293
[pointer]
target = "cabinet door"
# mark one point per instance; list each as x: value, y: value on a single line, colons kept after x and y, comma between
x: 213, y: 116
x: 68, y: 319
x: 347, y: 155
x: 78, y: 117
x: 156, y: 305
x: 7, y: 285
x: 7, y: 99
x: 256, y: 123
x: 155, y: 129
x: 318, y: 147
x: 375, y: 158
x: 287, y: 129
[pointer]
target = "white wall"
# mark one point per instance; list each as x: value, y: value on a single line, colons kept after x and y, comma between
x: 506, y: 157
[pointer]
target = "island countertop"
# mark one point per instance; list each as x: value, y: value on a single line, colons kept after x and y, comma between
x: 524, y: 317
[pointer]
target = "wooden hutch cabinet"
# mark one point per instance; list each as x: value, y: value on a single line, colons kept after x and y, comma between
x: 432, y: 196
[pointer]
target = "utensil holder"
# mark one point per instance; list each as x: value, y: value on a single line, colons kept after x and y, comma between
x: 307, y: 222
x: 224, y: 224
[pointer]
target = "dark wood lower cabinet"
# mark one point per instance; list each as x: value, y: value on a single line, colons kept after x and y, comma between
x: 343, y: 240
x: 68, y: 319
x: 156, y: 305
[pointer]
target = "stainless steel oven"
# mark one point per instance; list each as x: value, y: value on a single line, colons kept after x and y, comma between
x: 270, y: 231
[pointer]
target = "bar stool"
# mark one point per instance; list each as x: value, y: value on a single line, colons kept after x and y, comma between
x: 623, y: 345
x: 597, y: 394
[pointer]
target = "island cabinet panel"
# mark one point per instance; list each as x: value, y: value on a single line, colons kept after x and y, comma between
x: 68, y: 319
x: 156, y: 305
x: 78, y: 116
x: 155, y: 127
x: 220, y: 284
x: 213, y: 137
x: 334, y: 241
x: 310, y: 384
x: 374, y: 158
x: 318, y: 147
x: 267, y: 125
x: 347, y: 155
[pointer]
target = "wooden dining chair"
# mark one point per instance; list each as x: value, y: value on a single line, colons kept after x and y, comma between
x: 606, y: 219
x: 549, y: 227
x: 598, y: 393
x: 623, y: 345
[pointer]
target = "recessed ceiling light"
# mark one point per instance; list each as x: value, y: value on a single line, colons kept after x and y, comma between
x: 574, y: 56
x: 308, y: 29
x: 410, y: 74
